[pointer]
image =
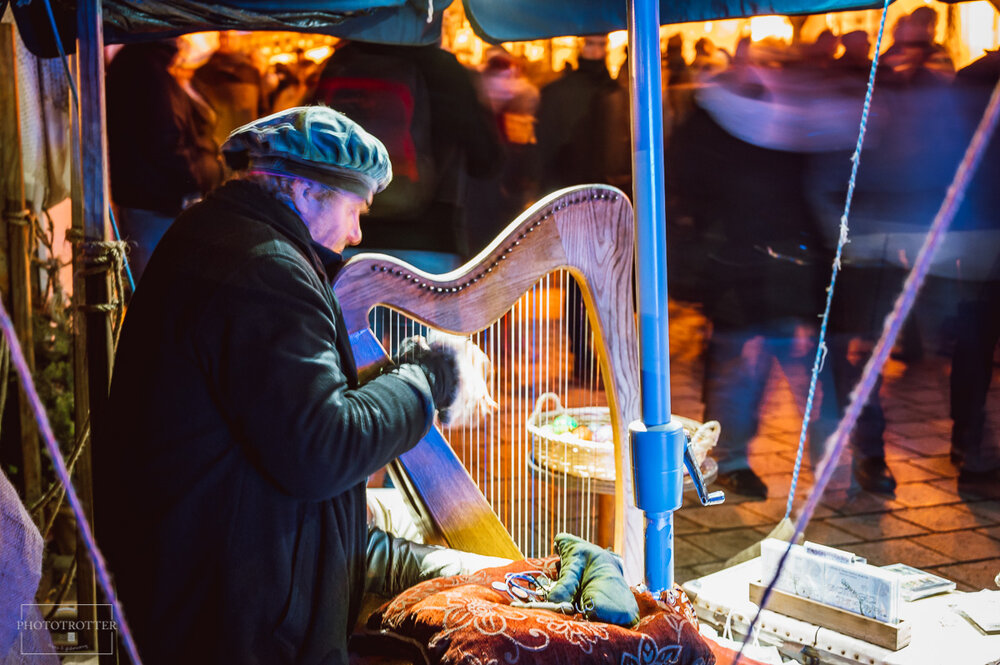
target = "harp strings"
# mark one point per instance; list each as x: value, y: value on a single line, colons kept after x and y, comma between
x: 543, y: 344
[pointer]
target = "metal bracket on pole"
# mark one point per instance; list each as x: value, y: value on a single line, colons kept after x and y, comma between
x: 659, y: 486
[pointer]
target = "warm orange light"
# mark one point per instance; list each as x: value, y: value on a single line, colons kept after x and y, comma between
x: 763, y: 27
x: 318, y: 53
x: 282, y: 58
x: 617, y: 39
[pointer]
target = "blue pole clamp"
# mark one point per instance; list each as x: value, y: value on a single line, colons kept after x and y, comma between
x: 658, y: 473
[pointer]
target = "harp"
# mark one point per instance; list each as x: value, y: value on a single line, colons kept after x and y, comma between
x: 497, y: 488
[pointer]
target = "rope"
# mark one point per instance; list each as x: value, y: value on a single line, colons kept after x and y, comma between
x: 17, y: 217
x: 4, y: 376
x: 106, y: 256
x: 821, y: 349
x: 53, y: 489
x: 45, y: 427
x: 891, y: 328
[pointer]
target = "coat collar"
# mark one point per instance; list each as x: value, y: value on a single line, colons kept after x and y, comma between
x: 251, y: 200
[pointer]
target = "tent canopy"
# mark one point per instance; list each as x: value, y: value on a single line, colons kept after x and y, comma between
x: 518, y: 20
x: 385, y: 21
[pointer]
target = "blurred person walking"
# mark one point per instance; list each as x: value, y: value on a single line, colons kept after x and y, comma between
x: 160, y: 148
x: 975, y: 447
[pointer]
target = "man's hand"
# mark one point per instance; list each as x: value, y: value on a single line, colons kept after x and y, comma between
x: 459, y: 368
x: 475, y: 371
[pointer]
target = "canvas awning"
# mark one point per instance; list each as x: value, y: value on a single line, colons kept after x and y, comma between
x: 384, y: 21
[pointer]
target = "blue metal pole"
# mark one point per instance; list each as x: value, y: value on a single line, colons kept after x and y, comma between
x: 649, y: 199
x: 657, y: 443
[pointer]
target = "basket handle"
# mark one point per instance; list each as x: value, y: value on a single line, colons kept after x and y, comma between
x: 542, y: 399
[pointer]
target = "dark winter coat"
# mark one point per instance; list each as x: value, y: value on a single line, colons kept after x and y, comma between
x: 231, y: 501
x: 582, y: 119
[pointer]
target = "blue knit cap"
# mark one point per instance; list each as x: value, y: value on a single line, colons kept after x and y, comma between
x: 313, y: 142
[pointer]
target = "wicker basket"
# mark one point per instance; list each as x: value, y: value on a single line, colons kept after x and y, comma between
x: 566, y: 453
x: 594, y: 460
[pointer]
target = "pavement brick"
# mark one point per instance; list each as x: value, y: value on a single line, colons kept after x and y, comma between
x: 724, y: 516
x: 899, y: 550
x: 684, y: 574
x: 770, y: 443
x: 989, y: 510
x: 943, y: 518
x: 825, y: 533
x: 923, y: 397
x: 704, y: 569
x: 911, y: 473
x: 687, y: 553
x: 896, y: 452
x: 774, y: 509
x: 850, y: 502
x: 927, y: 524
x: 875, y: 526
x: 922, y: 427
x: 914, y: 495
x: 925, y: 445
x: 972, y: 576
x: 723, y: 545
x: 961, y: 546
x: 940, y: 464
x: 907, y: 413
x: 779, y: 484
x: 684, y: 526
x: 771, y: 463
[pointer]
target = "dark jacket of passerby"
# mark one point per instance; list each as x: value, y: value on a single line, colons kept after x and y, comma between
x: 575, y: 133
x: 422, y: 104
x: 981, y: 205
x: 160, y: 148
x: 757, y: 235
x: 232, y: 85
x: 231, y: 477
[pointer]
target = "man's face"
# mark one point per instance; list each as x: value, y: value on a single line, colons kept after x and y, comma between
x: 333, y: 216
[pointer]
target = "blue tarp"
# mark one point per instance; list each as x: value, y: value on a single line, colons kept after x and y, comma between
x: 517, y: 20
x: 381, y: 21
x: 387, y: 21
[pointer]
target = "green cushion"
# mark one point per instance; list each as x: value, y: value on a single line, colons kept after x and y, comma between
x: 592, y: 578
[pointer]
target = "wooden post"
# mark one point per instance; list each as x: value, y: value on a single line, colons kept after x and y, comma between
x: 17, y: 233
x: 93, y: 340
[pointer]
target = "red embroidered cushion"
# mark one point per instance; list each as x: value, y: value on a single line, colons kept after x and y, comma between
x: 464, y: 619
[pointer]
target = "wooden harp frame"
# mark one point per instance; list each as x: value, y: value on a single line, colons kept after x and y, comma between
x: 587, y: 230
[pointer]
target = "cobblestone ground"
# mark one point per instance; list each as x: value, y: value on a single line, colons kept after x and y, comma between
x: 927, y: 524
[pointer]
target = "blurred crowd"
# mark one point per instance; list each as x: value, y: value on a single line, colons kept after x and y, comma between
x: 758, y: 166
x: 758, y: 148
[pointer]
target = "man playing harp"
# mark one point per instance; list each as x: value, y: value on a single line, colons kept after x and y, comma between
x: 231, y: 477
